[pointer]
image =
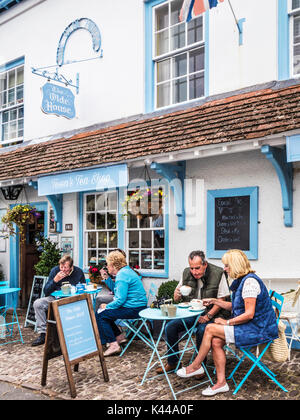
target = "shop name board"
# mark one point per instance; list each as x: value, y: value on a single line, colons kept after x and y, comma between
x: 58, y: 101
x: 89, y: 180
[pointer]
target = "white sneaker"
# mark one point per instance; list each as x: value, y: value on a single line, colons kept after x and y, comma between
x: 209, y: 392
x: 182, y: 372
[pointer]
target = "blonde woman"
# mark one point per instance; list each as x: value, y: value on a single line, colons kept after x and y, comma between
x: 130, y: 298
x: 253, y: 320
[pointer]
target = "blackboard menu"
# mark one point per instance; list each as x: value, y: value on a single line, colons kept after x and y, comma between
x: 36, y: 293
x: 232, y: 223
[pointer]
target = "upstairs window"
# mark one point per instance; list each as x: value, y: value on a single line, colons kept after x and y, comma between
x: 11, y: 105
x: 178, y: 55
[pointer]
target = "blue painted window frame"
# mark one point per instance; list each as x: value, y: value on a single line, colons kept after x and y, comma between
x: 283, y: 29
x: 150, y: 65
x: 121, y: 232
x: 293, y: 148
x: 211, y: 252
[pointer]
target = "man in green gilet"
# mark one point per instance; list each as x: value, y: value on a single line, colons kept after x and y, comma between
x: 206, y: 281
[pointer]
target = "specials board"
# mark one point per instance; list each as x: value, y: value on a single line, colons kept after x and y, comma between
x: 37, y: 292
x: 72, y: 332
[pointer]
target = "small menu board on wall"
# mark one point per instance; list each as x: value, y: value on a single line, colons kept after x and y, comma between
x: 232, y: 221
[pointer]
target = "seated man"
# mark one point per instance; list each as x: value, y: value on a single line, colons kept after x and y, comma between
x: 65, y: 272
x: 206, y: 280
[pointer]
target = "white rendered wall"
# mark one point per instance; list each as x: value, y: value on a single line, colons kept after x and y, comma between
x: 110, y: 88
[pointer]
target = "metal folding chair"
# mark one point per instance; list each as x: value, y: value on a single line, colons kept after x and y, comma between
x: 134, y: 326
x: 277, y: 302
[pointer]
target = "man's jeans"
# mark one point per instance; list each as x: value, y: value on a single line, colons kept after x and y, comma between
x: 174, y: 330
x: 108, y: 330
x: 41, y: 310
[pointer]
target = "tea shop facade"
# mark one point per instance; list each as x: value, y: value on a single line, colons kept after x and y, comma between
x: 210, y: 159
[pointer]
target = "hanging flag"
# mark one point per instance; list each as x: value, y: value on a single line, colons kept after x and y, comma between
x: 192, y: 8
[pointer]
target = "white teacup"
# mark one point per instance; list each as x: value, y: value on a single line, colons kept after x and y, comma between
x: 185, y: 290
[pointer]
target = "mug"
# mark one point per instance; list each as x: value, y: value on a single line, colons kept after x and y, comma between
x: 185, y: 290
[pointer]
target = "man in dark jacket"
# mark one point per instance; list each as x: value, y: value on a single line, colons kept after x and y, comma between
x: 205, y: 280
x: 64, y: 272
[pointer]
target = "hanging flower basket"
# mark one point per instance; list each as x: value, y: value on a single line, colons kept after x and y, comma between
x: 19, y: 215
x: 136, y: 198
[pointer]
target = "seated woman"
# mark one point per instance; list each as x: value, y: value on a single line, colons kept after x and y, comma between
x: 130, y: 298
x: 253, y: 320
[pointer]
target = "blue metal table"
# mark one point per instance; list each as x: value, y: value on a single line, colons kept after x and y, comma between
x: 150, y: 314
x: 7, y: 327
x: 58, y: 294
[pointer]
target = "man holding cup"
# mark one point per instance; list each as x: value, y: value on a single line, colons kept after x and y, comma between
x: 200, y: 280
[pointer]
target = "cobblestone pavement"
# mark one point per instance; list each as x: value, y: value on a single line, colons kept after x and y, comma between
x: 21, y: 366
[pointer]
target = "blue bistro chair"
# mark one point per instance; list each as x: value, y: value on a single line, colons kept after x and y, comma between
x: 277, y: 302
x: 133, y: 326
x: 6, y: 328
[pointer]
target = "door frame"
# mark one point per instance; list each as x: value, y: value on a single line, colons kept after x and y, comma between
x: 14, y: 250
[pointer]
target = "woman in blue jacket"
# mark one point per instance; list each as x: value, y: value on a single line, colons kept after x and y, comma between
x: 253, y: 320
x: 130, y: 298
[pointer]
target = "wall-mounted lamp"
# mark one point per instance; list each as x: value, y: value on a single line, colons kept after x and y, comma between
x: 11, y: 192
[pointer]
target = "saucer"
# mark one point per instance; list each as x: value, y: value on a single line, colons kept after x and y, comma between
x: 196, y: 310
x: 184, y: 305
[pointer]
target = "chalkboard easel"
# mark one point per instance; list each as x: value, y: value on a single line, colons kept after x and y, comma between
x: 72, y: 332
x: 37, y: 292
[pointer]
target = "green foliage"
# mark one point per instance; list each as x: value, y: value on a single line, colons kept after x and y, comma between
x: 167, y: 289
x: 49, y: 258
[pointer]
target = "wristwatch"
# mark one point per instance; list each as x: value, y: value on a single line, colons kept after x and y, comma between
x: 209, y: 316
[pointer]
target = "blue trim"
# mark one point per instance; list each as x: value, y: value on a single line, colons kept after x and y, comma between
x: 284, y: 171
x: 283, y: 41
x: 240, y: 25
x: 293, y: 148
x: 14, y: 248
x: 253, y: 229
x: 206, y: 54
x: 56, y: 202
x: 12, y: 64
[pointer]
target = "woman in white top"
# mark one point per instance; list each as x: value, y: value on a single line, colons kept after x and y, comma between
x: 237, y: 266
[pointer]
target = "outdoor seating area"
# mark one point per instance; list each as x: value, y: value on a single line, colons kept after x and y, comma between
x: 21, y: 364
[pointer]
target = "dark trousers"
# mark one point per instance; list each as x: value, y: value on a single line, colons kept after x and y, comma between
x: 108, y: 330
x: 174, y: 329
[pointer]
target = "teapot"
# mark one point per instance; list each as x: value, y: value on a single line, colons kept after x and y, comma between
x: 66, y: 288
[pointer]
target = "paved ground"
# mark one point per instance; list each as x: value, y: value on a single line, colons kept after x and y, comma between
x: 21, y: 368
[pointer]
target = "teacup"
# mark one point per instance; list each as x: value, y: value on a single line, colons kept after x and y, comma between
x: 197, y: 307
x: 185, y: 290
x: 164, y: 310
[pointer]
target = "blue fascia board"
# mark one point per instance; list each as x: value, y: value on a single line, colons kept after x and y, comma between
x: 283, y: 30
x: 12, y: 64
x: 6, y: 4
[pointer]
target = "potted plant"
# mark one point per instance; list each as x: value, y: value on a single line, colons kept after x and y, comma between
x: 135, y: 200
x: 19, y: 215
x: 49, y: 258
x: 94, y: 272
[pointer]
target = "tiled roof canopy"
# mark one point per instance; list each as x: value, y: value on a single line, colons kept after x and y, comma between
x: 240, y: 117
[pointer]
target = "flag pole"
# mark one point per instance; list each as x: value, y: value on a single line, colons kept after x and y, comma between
x: 235, y: 18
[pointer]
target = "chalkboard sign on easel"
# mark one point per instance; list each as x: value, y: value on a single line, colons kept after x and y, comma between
x: 72, y: 332
x: 232, y: 223
x: 37, y: 292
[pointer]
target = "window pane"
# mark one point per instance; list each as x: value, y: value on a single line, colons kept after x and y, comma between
x: 92, y: 256
x: 134, y: 258
x: 195, y: 30
x: 100, y: 221
x: 162, y: 18
x: 131, y: 221
x: 196, y: 60
x: 146, y: 239
x: 20, y: 93
x: 180, y: 65
x: 11, y: 96
x: 178, y: 36
x: 13, y: 114
x: 297, y: 59
x: 111, y: 221
x: 101, y: 202
x: 3, y: 82
x: 296, y: 30
x: 133, y: 239
x: 159, y: 239
x: 180, y: 90
x: 159, y: 260
x: 175, y: 11
x: 146, y: 260
x: 5, y: 116
x: 162, y: 42
x: 196, y: 88
x: 112, y: 201
x: 4, y: 132
x: 163, y: 71
x: 3, y: 99
x: 295, y: 4
x: 11, y: 79
x: 163, y: 94
x: 20, y: 75
x: 90, y: 203
x: 90, y: 221
x: 21, y: 112
x: 102, y: 240
x: 113, y: 239
x: 12, y: 130
x: 92, y: 240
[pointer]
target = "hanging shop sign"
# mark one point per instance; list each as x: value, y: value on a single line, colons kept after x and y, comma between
x: 58, y: 100
x: 80, y: 181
